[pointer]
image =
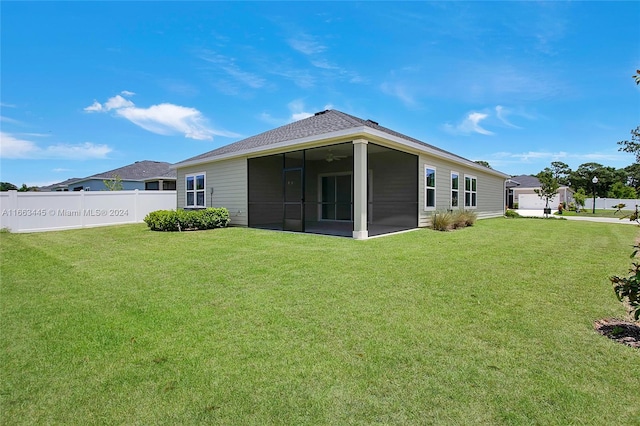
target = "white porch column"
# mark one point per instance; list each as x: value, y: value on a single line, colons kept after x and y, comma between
x: 360, y: 231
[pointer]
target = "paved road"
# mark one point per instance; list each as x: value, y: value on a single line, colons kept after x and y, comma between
x: 540, y: 213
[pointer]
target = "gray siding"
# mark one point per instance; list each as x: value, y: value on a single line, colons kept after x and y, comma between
x: 228, y: 180
x: 490, y: 189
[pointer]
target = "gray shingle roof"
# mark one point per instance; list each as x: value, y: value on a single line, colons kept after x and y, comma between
x: 321, y: 123
x: 526, y: 181
x: 140, y: 170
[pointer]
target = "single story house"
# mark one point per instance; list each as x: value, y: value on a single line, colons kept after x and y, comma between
x: 337, y: 174
x: 521, y: 193
x: 142, y: 175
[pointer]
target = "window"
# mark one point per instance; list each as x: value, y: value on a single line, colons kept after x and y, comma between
x: 336, y: 197
x: 470, y: 191
x: 195, y: 184
x: 455, y: 185
x: 429, y: 188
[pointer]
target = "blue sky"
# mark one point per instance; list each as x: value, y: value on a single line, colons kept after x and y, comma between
x: 87, y: 87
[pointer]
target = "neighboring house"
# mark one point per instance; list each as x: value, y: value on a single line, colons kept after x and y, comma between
x: 337, y: 174
x: 60, y: 186
x: 521, y: 192
x: 142, y: 175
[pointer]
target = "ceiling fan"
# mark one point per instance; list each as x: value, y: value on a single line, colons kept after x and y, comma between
x: 333, y: 157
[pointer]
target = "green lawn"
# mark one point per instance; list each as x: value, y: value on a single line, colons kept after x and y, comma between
x: 491, y: 324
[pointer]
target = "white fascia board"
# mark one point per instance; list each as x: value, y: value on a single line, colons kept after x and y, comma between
x: 342, y: 135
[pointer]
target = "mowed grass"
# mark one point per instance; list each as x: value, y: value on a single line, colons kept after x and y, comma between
x: 491, y: 324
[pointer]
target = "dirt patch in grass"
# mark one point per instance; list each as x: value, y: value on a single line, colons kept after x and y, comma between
x: 627, y: 333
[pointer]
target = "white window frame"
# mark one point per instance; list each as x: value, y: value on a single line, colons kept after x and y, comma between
x: 456, y: 190
x: 195, y: 191
x: 427, y: 188
x: 471, y: 192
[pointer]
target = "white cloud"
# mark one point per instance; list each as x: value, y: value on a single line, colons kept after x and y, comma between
x: 117, y: 102
x: 162, y: 119
x: 12, y: 147
x: 470, y: 124
x: 127, y: 93
x: 399, y: 91
x: 94, y: 107
x: 502, y: 113
x: 297, y: 110
x: 306, y: 44
x: 9, y: 120
x: 60, y: 170
x: 229, y: 66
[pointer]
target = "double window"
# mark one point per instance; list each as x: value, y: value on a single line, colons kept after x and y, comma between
x: 470, y: 191
x: 195, y: 184
x: 455, y: 187
x: 429, y: 188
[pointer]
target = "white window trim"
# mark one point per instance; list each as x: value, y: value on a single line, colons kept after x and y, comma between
x: 470, y: 191
x: 426, y: 188
x: 457, y: 190
x: 195, y: 197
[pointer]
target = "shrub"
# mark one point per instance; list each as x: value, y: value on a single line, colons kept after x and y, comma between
x: 442, y: 221
x: 515, y: 206
x: 511, y: 214
x: 184, y: 220
x: 448, y: 220
x: 470, y: 217
x: 627, y: 289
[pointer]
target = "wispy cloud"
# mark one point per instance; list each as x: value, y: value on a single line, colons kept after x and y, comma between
x: 470, y: 124
x: 400, y: 91
x: 306, y: 44
x: 162, y: 119
x: 228, y: 65
x: 502, y: 113
x: 15, y: 147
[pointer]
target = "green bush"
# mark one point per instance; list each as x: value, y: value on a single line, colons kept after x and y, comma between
x: 186, y: 220
x: 511, y: 214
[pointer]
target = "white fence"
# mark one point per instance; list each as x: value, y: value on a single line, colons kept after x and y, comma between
x: 610, y: 203
x: 53, y: 211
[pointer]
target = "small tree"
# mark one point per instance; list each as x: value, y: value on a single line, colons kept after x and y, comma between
x: 548, y: 187
x: 580, y: 197
x: 627, y: 289
x: 113, y: 184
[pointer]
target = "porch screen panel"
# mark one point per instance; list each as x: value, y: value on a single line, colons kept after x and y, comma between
x: 266, y: 208
x: 393, y: 190
x: 328, y: 199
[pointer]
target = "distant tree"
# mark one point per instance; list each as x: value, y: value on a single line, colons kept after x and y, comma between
x: 636, y: 77
x: 561, y: 172
x: 25, y: 188
x: 483, y: 163
x: 548, y: 186
x: 6, y: 186
x: 632, y: 174
x: 607, y: 176
x: 113, y: 184
x: 620, y: 190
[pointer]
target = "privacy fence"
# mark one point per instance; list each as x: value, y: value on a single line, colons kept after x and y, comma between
x: 53, y: 211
